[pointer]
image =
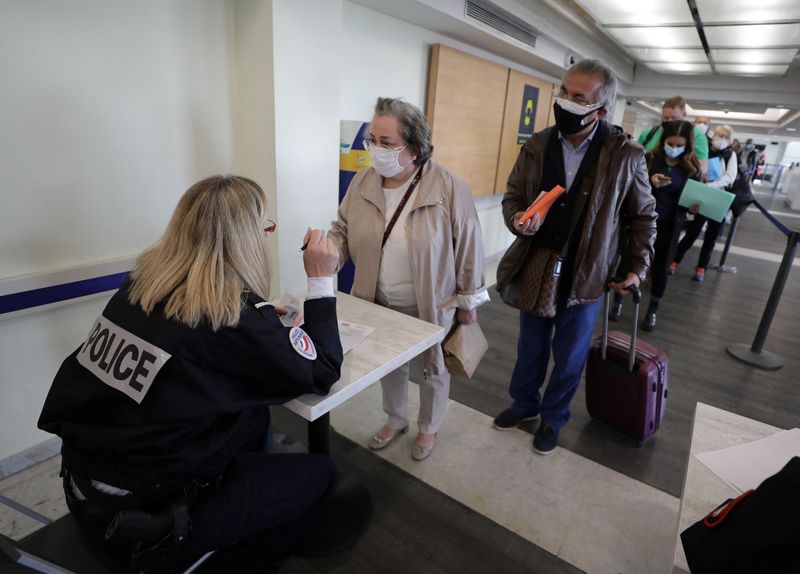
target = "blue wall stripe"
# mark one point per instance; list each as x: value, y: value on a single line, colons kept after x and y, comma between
x: 55, y: 293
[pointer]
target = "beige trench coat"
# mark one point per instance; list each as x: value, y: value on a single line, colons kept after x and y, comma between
x: 444, y: 241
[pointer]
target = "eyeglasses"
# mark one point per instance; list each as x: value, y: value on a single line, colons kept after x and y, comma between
x: 271, y: 227
x: 369, y: 143
x: 562, y: 93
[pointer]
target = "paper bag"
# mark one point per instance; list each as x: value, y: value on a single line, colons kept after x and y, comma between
x: 464, y: 348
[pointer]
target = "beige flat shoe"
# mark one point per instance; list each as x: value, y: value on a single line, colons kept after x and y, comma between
x: 419, y: 452
x: 378, y: 442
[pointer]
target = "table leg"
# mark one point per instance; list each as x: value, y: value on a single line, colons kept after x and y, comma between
x: 319, y: 435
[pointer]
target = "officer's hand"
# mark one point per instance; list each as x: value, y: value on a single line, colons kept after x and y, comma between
x: 694, y: 208
x: 320, y: 256
x: 621, y: 287
x: 529, y: 227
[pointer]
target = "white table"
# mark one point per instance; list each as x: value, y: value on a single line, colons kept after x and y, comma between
x: 397, y: 339
x: 703, y: 490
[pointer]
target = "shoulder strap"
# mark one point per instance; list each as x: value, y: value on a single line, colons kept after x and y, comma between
x: 402, y: 204
x: 650, y: 136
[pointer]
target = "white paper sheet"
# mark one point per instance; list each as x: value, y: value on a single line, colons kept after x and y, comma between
x: 352, y: 334
x: 745, y: 466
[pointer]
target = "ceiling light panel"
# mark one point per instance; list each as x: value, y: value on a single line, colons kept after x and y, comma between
x: 624, y: 12
x: 661, y: 37
x: 694, y: 56
x: 760, y: 36
x: 762, y: 56
x: 770, y: 115
x: 747, y: 11
x: 753, y: 69
x: 673, y: 68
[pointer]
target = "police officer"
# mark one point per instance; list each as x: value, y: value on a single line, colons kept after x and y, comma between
x: 164, y: 409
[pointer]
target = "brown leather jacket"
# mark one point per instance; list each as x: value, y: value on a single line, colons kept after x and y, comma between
x: 619, y: 195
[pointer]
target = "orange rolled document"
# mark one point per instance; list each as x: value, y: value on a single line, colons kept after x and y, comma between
x: 542, y: 204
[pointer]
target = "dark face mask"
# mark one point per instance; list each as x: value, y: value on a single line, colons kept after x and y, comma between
x: 569, y: 123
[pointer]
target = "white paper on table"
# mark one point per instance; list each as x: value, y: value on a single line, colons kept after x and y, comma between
x: 745, y: 466
x: 352, y: 334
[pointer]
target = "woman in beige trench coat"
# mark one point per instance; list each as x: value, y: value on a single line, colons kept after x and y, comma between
x: 430, y: 265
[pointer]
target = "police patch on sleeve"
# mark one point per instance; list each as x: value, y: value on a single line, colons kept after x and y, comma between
x: 120, y: 359
x: 302, y: 343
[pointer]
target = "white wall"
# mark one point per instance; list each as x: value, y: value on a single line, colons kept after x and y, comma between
x: 109, y: 111
x: 384, y: 56
x: 308, y: 61
x: 254, y: 106
x: 792, y: 153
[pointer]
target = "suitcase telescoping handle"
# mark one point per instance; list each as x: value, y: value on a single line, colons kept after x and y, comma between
x: 637, y: 297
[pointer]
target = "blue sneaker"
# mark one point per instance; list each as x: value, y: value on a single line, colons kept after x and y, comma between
x: 508, y: 419
x: 545, y: 439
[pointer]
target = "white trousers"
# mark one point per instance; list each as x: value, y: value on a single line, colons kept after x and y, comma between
x: 434, y: 389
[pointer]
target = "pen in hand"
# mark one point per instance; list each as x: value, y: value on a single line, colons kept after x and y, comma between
x: 305, y: 243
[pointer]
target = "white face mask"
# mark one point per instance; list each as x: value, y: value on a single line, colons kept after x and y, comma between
x: 703, y: 127
x: 576, y: 108
x: 387, y: 161
x: 720, y: 143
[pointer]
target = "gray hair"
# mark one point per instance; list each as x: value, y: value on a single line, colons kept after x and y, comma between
x: 414, y: 128
x: 596, y: 67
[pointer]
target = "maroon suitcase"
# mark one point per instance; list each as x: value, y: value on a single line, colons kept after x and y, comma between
x: 626, y: 390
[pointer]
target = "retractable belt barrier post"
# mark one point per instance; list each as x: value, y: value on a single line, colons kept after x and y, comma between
x: 755, y: 354
x: 722, y: 260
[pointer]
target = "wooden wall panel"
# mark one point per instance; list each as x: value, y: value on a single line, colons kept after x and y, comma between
x: 509, y: 148
x: 466, y: 101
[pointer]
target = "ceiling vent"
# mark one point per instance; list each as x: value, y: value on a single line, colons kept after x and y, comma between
x: 502, y: 21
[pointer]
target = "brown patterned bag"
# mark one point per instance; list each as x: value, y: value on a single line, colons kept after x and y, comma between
x: 530, y: 284
x: 545, y: 264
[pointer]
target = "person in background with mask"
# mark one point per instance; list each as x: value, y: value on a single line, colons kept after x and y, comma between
x: 608, y: 192
x: 703, y: 122
x: 749, y: 159
x: 670, y: 165
x: 674, y: 109
x: 412, y: 231
x: 721, y: 148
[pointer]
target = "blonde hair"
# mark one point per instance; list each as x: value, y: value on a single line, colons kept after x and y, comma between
x: 726, y: 128
x: 213, y: 250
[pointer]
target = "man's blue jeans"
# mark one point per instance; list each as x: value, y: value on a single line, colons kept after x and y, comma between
x: 569, y: 334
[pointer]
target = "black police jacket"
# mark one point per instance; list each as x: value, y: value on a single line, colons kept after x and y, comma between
x: 147, y: 401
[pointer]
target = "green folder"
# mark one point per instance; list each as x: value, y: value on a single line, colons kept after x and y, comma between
x: 714, y: 203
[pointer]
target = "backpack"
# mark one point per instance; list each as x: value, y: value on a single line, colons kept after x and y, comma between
x: 743, y: 195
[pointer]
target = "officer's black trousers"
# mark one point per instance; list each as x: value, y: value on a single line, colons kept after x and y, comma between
x: 265, y: 503
x: 255, y: 516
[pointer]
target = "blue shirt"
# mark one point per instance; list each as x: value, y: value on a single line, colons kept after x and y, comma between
x: 574, y: 156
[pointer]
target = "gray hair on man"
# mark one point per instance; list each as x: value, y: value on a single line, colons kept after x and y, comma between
x: 413, y: 124
x: 608, y: 92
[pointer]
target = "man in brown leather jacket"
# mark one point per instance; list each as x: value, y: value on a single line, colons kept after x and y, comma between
x: 608, y: 191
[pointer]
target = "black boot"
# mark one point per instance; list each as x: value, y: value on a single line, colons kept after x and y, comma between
x: 649, y: 323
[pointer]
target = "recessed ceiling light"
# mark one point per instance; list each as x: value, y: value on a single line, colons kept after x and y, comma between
x: 791, y: 129
x: 780, y: 106
x: 720, y: 103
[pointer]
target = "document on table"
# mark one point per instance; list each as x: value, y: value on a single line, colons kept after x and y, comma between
x: 714, y: 203
x: 352, y: 334
x: 745, y: 466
